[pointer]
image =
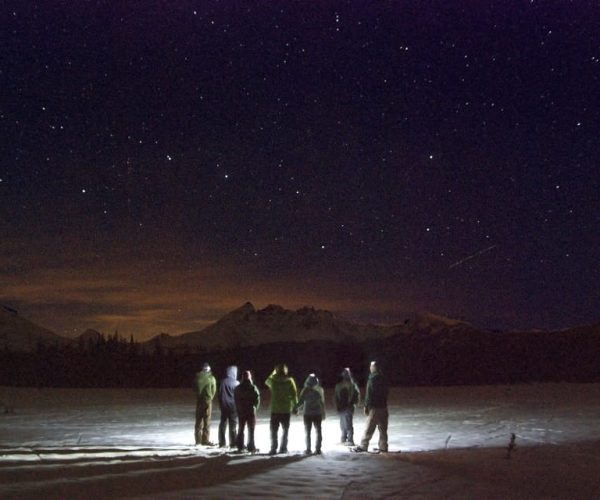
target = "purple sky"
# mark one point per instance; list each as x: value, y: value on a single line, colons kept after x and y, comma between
x: 164, y: 162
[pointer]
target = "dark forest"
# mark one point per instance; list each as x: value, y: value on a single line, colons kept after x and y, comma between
x: 409, y: 360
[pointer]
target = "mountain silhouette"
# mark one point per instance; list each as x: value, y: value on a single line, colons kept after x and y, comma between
x: 20, y: 334
x: 247, y: 326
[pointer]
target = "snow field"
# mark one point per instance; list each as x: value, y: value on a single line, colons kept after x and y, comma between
x: 69, y: 443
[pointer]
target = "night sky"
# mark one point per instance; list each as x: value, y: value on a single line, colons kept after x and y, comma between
x: 165, y: 161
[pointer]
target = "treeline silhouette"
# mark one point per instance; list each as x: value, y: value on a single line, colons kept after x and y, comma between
x: 447, y: 358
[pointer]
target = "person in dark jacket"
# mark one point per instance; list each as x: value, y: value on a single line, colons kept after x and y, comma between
x: 206, y: 387
x: 312, y: 400
x: 346, y: 397
x: 375, y: 410
x: 284, y: 395
x: 247, y: 399
x: 227, y: 403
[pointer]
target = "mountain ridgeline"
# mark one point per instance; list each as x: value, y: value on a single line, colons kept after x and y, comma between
x: 424, y: 349
x: 20, y: 334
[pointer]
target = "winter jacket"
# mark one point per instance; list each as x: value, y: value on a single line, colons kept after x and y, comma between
x: 206, y: 385
x: 377, y: 391
x: 346, y: 395
x: 284, y: 394
x: 312, y: 398
x: 247, y: 398
x: 226, y: 388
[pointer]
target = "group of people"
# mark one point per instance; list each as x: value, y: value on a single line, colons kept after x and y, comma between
x: 239, y: 402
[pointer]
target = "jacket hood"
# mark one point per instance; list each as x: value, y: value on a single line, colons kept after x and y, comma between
x: 232, y: 371
x: 281, y: 369
x: 311, y: 380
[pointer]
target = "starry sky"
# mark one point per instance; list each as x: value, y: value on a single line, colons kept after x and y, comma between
x: 165, y: 161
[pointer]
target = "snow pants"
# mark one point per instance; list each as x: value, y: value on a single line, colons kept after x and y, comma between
x: 309, y: 421
x: 250, y: 421
x: 346, y: 425
x: 276, y: 420
x: 202, y: 427
x: 228, y: 418
x: 377, y: 418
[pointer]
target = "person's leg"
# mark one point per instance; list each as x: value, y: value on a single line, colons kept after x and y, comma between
x: 382, y: 424
x: 232, y: 426
x: 347, y: 416
x: 206, y: 423
x: 222, y: 425
x: 239, y: 440
x: 274, y: 430
x: 251, y: 425
x: 369, y: 430
x: 285, y: 423
x: 317, y: 422
x: 350, y: 426
x: 198, y: 424
x: 307, y: 429
x: 343, y: 431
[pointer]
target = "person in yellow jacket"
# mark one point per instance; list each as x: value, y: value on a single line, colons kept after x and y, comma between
x: 206, y: 388
x: 284, y: 397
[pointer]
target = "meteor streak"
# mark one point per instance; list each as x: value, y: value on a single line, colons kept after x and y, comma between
x: 476, y: 254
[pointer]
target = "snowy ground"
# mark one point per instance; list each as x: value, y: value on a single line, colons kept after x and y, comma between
x: 67, y: 443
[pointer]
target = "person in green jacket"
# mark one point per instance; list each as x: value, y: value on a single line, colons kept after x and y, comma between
x: 206, y: 388
x: 284, y: 397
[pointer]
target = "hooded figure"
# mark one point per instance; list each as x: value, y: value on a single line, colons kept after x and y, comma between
x: 346, y: 397
x: 227, y: 403
x: 206, y: 387
x: 247, y: 399
x: 312, y: 400
x: 284, y: 396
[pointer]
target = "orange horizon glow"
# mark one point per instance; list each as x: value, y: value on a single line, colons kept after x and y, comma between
x: 143, y: 298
